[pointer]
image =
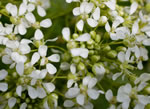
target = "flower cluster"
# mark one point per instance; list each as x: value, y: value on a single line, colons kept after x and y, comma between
x: 101, y: 57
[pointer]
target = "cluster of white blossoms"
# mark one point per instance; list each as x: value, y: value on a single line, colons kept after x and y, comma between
x: 100, y: 58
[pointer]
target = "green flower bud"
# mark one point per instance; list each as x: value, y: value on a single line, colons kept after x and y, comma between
x: 90, y: 42
x: 66, y: 56
x: 98, y: 38
x: 54, y: 96
x: 27, y: 100
x: 14, y: 74
x: 112, y: 54
x: 76, y: 59
x: 18, y: 100
x: 93, y: 34
x: 72, y: 44
x: 97, y: 46
x: 82, y: 45
x: 75, y: 35
x: 147, y: 7
x: 147, y: 89
x: 23, y: 96
x: 95, y: 58
x: 121, y: 48
x: 91, y: 52
x: 103, y: 20
x: 106, y: 48
x: 90, y: 46
x: 147, y: 106
x: 8, y: 95
x: 81, y: 66
x: 29, y: 106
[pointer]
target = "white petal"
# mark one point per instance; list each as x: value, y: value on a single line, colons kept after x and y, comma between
x: 73, y: 92
x: 92, y: 82
x: 50, y: 87
x: 41, y: 92
x: 35, y: 58
x: 109, y: 95
x: 38, y: 35
x: 31, y: 7
x: 64, y: 66
x: 80, y: 25
x: 83, y: 52
x: 19, y: 90
x: 32, y: 92
x: 68, y: 103
x: 86, y: 80
x: 43, y: 74
x: 22, y: 9
x: 92, y: 22
x: 68, y: 1
x: 93, y: 94
x: 140, y: 65
x: 3, y: 87
x: 80, y: 99
x: 111, y: 5
x: 96, y: 14
x: 88, y: 8
x: 12, y: 102
x: 135, y: 28
x: 42, y: 50
x: 73, y: 68
x: 113, y: 36
x: 46, y: 23
x: 146, y: 42
x: 84, y: 37
x: 133, y: 7
x: 121, y: 56
x: 66, y: 33
x: 6, y: 59
x: 30, y: 17
x: 116, y: 75
x: 3, y: 74
x: 76, y: 11
x: 24, y: 48
x: 20, y: 68
x: 23, y: 106
x: 51, y: 68
x: 21, y: 29
x: 13, y: 10
x: 41, y: 11
x: 54, y: 58
x: 107, y: 27
x: 70, y: 83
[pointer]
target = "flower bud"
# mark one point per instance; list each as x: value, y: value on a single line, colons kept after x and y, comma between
x: 91, y: 52
x: 98, y: 38
x: 112, y: 54
x: 75, y: 35
x: 90, y: 42
x: 72, y: 44
x: 93, y: 34
x: 54, y: 96
x: 66, y: 56
x: 8, y: 95
x: 147, y: 7
x: 81, y: 66
x: 106, y: 48
x: 95, y: 58
x: 76, y: 59
x: 103, y: 20
x: 90, y: 46
x: 121, y: 48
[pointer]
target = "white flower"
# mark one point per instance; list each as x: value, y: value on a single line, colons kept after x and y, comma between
x: 3, y: 74
x: 83, y: 52
x: 3, y: 86
x: 50, y: 87
x: 32, y: 92
x: 11, y: 102
x: 133, y: 7
x: 66, y: 33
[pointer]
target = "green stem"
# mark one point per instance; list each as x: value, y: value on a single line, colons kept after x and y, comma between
x: 53, y: 46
